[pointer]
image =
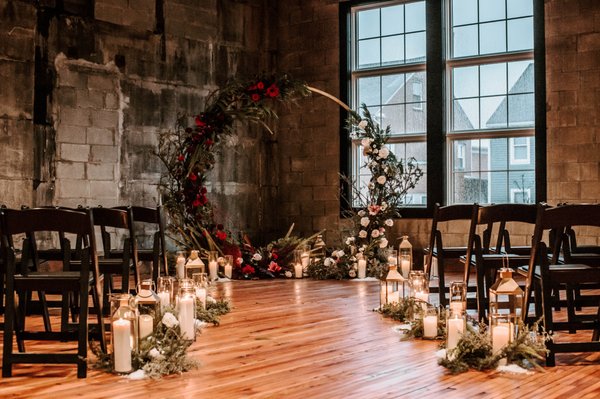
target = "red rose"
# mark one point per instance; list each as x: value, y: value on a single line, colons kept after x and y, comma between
x: 208, y: 142
x: 248, y: 269
x: 196, y: 203
x: 260, y: 85
x: 252, y: 88
x: 193, y: 177
x: 221, y: 235
x: 180, y: 158
x: 203, y: 200
x: 199, y: 122
x: 203, y: 190
x: 274, y: 255
x: 273, y: 91
x: 255, y: 97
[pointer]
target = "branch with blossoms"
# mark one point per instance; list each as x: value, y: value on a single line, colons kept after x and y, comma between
x: 390, y: 181
x: 189, y: 153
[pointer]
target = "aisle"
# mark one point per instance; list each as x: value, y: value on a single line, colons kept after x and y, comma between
x: 309, y: 339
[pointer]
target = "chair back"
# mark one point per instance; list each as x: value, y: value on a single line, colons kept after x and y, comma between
x: 121, y: 219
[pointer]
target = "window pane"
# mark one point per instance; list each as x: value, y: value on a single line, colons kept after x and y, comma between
x: 392, y: 50
x: 522, y: 186
x: 521, y: 110
x: 392, y: 87
x: 498, y: 187
x: 520, y: 77
x: 368, y: 53
x: 493, y: 112
x: 469, y: 187
x: 491, y: 10
x: 415, y: 16
x: 416, y: 117
x: 418, y: 195
x: 519, y: 8
x: 393, y: 115
x: 464, y: 12
x: 464, y: 41
x: 368, y: 23
x: 465, y: 114
x: 417, y: 79
x: 392, y: 20
x: 368, y: 91
x: 520, y: 34
x: 493, y: 37
x: 375, y: 113
x: 493, y: 79
x: 415, y: 47
x: 465, y: 82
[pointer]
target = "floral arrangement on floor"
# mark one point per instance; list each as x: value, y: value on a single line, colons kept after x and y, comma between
x: 189, y: 153
x: 164, y: 352
x: 339, y: 265
x: 474, y: 350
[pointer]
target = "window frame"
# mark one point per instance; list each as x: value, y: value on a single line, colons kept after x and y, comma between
x: 439, y: 160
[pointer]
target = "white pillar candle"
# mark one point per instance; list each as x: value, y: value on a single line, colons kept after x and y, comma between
x: 455, y: 330
x: 146, y: 325
x: 430, y: 326
x: 393, y: 297
x: 298, y: 270
x: 165, y: 299
x: 405, y: 267
x: 180, y: 267
x: 122, y: 345
x: 213, y: 266
x: 362, y: 268
x: 201, y: 295
x: 305, y: 259
x: 186, y: 317
x: 500, y: 336
x: 228, y: 271
x: 422, y: 296
x: 392, y: 260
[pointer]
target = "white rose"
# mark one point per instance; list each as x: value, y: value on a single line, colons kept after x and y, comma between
x: 362, y: 212
x: 366, y: 142
x: 381, y: 180
x: 375, y: 233
x: 384, y: 206
x: 383, y: 243
x: 389, y: 222
x: 384, y: 152
x: 352, y: 273
x: 257, y: 257
x: 349, y: 240
x: 288, y: 274
x: 362, y: 124
x: 199, y: 324
x: 210, y: 299
x: 340, y: 253
x: 169, y: 320
x: 155, y: 354
x: 328, y: 262
x: 362, y: 234
x: 364, y: 221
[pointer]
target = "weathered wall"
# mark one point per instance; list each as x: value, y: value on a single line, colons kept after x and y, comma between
x: 108, y: 75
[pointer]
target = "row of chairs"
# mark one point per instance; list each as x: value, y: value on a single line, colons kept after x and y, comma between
x: 552, y: 264
x: 68, y: 236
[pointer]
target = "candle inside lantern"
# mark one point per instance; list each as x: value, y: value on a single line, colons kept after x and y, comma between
x: 298, y: 270
x: 430, y: 326
x: 122, y: 345
x: 362, y: 268
x: 146, y: 325
x: 422, y: 296
x: 500, y: 336
x: 180, y: 266
x: 305, y: 259
x: 186, y: 317
x: 392, y: 260
x: 393, y: 297
x: 228, y: 270
x: 456, y: 307
x: 405, y: 267
x: 455, y: 330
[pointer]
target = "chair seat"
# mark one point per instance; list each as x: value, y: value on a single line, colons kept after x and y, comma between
x: 578, y: 269
x: 498, y: 259
x: 49, y: 281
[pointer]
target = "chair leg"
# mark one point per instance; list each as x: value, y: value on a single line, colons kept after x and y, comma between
x: 82, y: 347
x: 442, y: 281
x: 548, y: 324
x: 97, y: 302
x: 570, y: 307
x: 9, y: 323
x: 45, y: 314
x: 596, y: 334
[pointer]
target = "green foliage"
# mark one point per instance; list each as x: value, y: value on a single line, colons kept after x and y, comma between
x: 213, y: 312
x: 403, y: 311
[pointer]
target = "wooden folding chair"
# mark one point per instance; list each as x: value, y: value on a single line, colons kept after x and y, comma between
x: 20, y: 282
x: 547, y: 275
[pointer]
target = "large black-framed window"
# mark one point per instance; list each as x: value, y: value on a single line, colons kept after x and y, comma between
x: 473, y: 80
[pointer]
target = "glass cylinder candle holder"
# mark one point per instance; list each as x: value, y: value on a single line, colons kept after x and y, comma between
x: 213, y: 265
x: 193, y: 265
x: 297, y: 264
x: 458, y: 296
x: 405, y: 265
x: 305, y: 258
x: 186, y: 306
x: 430, y: 322
x: 180, y: 264
x: 392, y: 257
x: 200, y: 288
x: 164, y: 290
x: 147, y: 300
x: 228, y: 268
x: 124, y: 331
x: 361, y: 264
x: 456, y: 326
x: 405, y: 249
x: 503, y: 332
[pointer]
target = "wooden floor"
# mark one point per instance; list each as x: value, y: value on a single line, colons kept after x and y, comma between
x: 309, y: 339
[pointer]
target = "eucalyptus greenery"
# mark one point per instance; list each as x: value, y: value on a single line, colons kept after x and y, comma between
x: 213, y: 312
x: 403, y: 310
